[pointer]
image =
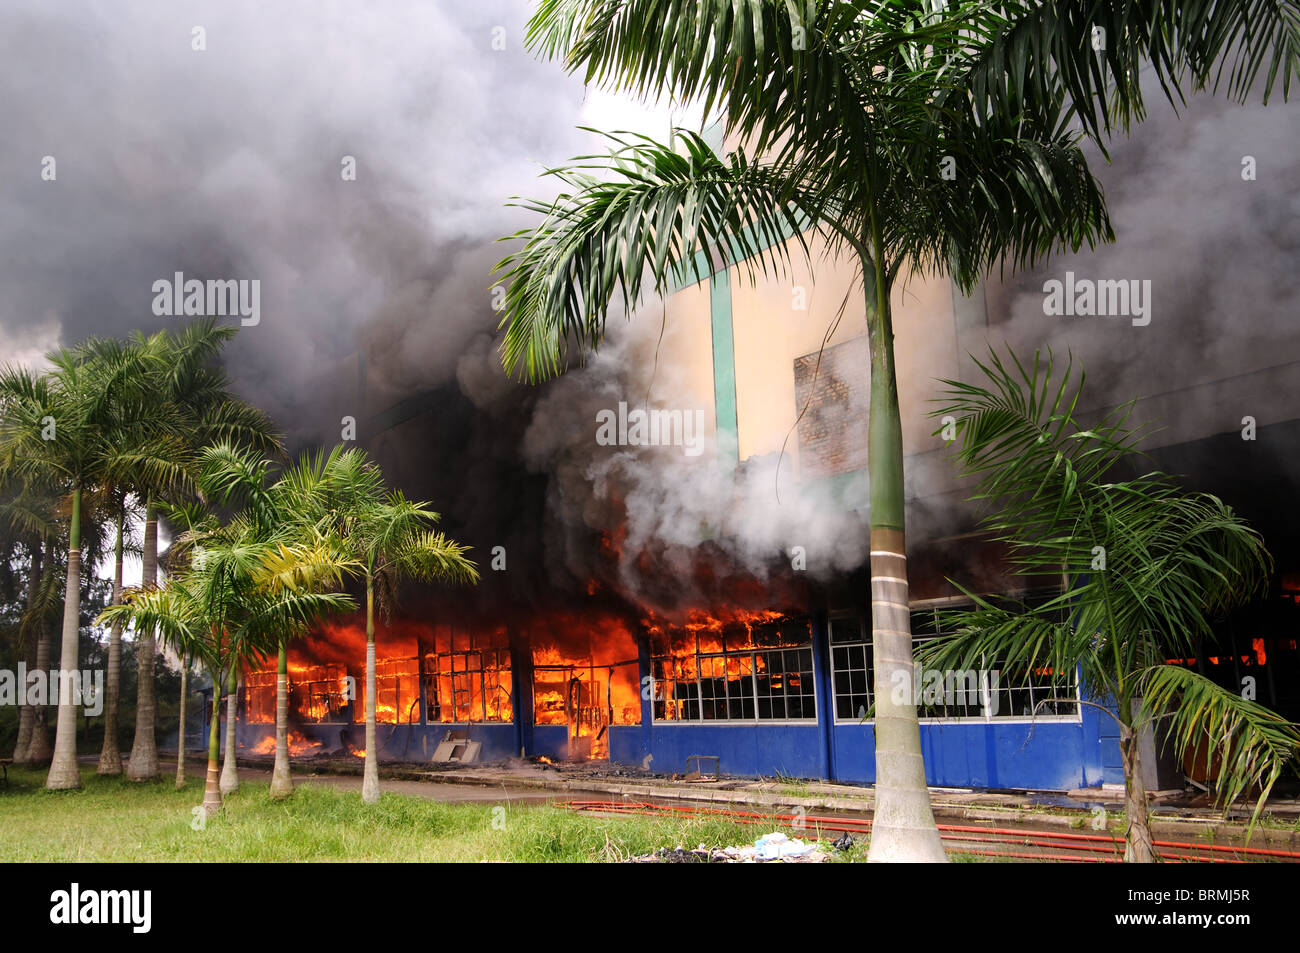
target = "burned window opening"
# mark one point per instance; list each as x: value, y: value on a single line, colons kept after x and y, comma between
x: 738, y: 671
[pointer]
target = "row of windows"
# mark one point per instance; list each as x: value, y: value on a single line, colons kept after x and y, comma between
x: 458, y: 688
x: 778, y: 685
x: 767, y: 684
x: 991, y: 691
x: 697, y: 677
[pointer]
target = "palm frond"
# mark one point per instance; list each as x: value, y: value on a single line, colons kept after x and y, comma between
x: 634, y: 222
x: 1094, y: 52
x: 1251, y: 745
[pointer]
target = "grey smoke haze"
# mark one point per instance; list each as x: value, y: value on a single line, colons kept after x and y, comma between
x: 1220, y: 253
x: 668, y: 503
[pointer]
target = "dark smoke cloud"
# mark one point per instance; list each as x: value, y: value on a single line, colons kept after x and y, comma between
x: 226, y: 162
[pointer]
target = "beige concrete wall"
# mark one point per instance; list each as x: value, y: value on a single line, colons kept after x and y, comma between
x: 778, y: 318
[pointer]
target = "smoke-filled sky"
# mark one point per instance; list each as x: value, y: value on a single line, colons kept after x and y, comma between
x: 226, y: 162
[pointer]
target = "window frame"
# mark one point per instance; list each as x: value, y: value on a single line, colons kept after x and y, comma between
x: 983, y: 719
x: 751, y: 699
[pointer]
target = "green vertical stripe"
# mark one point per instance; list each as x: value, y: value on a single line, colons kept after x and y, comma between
x: 724, y: 367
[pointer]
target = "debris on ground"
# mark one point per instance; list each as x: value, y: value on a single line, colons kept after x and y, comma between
x: 770, y: 848
x: 845, y: 842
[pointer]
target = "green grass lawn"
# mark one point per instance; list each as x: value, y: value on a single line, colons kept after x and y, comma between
x: 111, y: 819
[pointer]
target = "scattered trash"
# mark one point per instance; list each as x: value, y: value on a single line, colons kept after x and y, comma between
x: 845, y: 842
x: 770, y: 848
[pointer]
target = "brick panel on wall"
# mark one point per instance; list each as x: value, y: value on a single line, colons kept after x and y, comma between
x: 833, y: 429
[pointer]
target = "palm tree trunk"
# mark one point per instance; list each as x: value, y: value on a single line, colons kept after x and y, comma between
x: 370, y: 775
x: 281, y: 782
x: 903, y: 827
x: 143, y: 765
x: 38, y: 749
x: 211, y: 786
x: 64, y: 773
x: 180, y: 731
x: 110, y: 756
x: 1138, y: 846
x: 27, y: 713
x: 229, y: 767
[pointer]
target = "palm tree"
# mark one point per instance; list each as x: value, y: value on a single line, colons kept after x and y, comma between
x: 298, y: 497
x: 135, y: 444
x: 1170, y: 560
x: 390, y: 538
x: 854, y: 109
x: 65, y: 427
x: 231, y: 476
x: 232, y: 606
x: 293, y: 506
x: 110, y: 756
x: 852, y: 148
x: 182, y: 653
x: 33, y: 742
x: 162, y: 456
x: 194, y: 392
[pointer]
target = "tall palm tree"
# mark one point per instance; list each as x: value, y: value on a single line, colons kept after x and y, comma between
x: 138, y: 445
x: 1172, y: 560
x: 232, y: 477
x: 850, y: 147
x: 194, y: 393
x: 299, y: 497
x: 182, y: 653
x: 294, y: 506
x: 390, y: 538
x: 66, y: 427
x: 163, y: 457
x: 232, y: 606
x: 853, y: 109
x: 32, y: 743
x: 110, y: 756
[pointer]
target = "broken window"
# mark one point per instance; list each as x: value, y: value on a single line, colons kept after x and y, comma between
x: 318, y: 694
x: 468, y: 679
x: 735, y: 672
x: 396, y: 693
x: 259, y: 698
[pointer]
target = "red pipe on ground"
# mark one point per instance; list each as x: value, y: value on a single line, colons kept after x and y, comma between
x: 1082, y: 843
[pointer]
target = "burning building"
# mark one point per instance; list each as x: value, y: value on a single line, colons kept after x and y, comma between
x: 604, y: 635
x: 693, y: 581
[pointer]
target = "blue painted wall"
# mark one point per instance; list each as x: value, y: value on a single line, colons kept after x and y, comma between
x: 745, y: 749
x: 977, y: 755
x: 550, y: 740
